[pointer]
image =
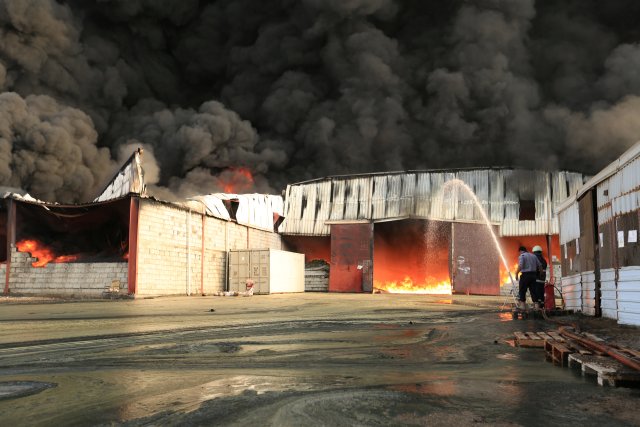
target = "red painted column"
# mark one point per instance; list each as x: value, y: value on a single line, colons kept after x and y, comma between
x: 11, y: 240
x: 204, y: 217
x: 134, y: 216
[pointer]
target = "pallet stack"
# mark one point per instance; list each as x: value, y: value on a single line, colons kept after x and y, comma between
x: 565, y: 352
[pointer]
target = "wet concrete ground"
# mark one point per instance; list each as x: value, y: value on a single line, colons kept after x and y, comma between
x: 281, y: 360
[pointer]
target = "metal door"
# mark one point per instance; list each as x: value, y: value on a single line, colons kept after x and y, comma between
x: 351, y: 258
x: 475, y: 263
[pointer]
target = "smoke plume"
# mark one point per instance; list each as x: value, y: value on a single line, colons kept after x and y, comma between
x: 290, y: 90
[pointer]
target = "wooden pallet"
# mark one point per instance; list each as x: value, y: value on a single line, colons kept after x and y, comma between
x: 557, y: 352
x: 529, y: 339
x: 607, y: 370
x: 567, y: 352
x: 536, y: 339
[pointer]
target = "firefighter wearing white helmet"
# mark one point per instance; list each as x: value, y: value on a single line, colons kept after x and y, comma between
x: 542, y: 274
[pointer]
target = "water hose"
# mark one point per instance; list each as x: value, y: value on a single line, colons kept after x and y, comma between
x: 603, y: 348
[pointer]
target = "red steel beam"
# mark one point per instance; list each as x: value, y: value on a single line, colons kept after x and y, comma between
x: 134, y: 215
x: 11, y: 240
x: 202, y: 258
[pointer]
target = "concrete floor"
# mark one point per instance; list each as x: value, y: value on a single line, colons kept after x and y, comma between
x: 303, y: 359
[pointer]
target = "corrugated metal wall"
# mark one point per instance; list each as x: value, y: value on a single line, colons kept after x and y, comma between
x: 588, y: 283
x: 617, y: 193
x: 628, y: 295
x: 310, y: 205
x: 609, y: 293
x: 570, y: 220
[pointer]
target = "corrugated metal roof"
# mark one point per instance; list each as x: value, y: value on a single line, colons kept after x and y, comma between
x: 129, y: 179
x: 422, y: 194
x: 628, y: 156
x: 619, y: 177
x: 617, y: 187
x: 256, y: 210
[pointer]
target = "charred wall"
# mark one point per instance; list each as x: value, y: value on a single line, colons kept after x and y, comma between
x: 93, y: 233
x: 73, y: 280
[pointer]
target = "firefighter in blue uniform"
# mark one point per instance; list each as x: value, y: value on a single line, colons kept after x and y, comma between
x: 528, y: 267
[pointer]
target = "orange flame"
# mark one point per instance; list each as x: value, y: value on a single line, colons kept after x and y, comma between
x: 505, y: 279
x: 409, y: 260
x: 407, y: 286
x: 236, y: 180
x: 43, y: 254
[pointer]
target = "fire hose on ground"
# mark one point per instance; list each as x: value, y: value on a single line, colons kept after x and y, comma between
x: 603, y: 348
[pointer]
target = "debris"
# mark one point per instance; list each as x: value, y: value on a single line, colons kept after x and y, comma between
x: 607, y: 370
x: 529, y: 339
x: 579, y: 350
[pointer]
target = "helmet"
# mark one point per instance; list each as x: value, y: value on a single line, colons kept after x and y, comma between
x: 536, y: 248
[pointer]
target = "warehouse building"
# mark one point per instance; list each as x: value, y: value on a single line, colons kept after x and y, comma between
x: 126, y: 242
x: 422, y: 231
x: 599, y: 242
x: 414, y: 231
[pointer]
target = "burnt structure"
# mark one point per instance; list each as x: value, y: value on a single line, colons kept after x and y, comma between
x: 414, y: 231
x: 129, y: 243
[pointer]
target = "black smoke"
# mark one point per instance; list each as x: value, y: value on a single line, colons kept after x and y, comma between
x: 299, y: 89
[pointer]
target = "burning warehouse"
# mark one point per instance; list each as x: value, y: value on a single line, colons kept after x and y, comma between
x: 417, y: 231
x: 127, y: 242
x: 422, y: 231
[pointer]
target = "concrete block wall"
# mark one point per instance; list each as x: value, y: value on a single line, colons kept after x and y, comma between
x: 170, y: 249
x: 215, y: 261
x: 316, y: 280
x: 163, y: 255
x: 77, y: 279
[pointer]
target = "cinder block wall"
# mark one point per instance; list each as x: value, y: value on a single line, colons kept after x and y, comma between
x: 77, y: 279
x: 316, y: 280
x: 170, y: 249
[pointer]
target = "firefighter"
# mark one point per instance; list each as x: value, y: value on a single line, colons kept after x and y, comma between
x: 542, y: 274
x: 528, y: 268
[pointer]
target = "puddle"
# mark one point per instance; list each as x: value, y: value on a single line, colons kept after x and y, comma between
x: 508, y: 356
x: 15, y: 389
x: 440, y: 388
x: 505, y: 316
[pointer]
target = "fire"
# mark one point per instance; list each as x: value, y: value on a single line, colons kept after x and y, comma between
x: 412, y: 257
x: 407, y: 286
x: 43, y: 254
x: 505, y: 279
x: 236, y: 180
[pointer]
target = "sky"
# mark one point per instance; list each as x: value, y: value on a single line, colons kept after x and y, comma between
x: 291, y: 90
